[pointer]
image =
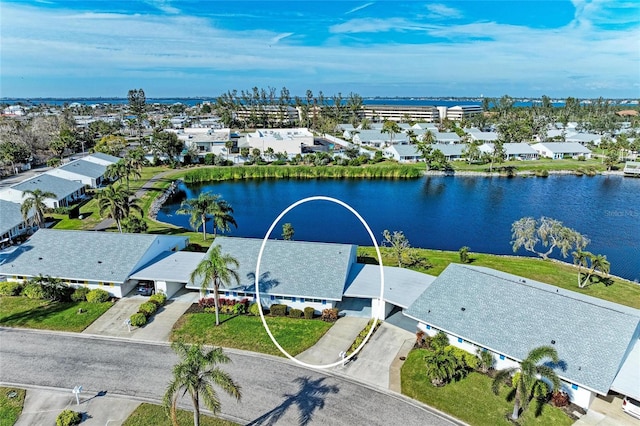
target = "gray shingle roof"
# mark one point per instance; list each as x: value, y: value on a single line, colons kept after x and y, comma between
x: 10, y: 216
x: 47, y: 183
x: 291, y: 268
x: 170, y: 266
x: 81, y: 255
x: 565, y: 147
x: 407, y: 150
x: 511, y: 315
x: 449, y: 149
x: 85, y: 168
x: 105, y: 157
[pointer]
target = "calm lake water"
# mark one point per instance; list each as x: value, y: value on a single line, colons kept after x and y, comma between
x: 439, y: 212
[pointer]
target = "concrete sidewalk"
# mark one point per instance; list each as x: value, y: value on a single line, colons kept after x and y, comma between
x: 338, y: 338
x: 42, y: 406
x: 373, y: 363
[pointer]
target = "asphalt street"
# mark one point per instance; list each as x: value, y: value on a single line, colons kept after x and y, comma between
x: 275, y: 391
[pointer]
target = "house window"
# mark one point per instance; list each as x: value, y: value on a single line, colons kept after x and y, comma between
x: 574, y: 386
x: 316, y: 300
x: 459, y: 340
x: 272, y: 297
x: 324, y: 302
x: 502, y: 357
x: 226, y: 293
x: 286, y: 298
x: 293, y: 299
x: 428, y: 327
x: 234, y: 294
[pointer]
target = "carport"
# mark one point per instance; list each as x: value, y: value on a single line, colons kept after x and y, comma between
x: 170, y: 271
x: 401, y: 288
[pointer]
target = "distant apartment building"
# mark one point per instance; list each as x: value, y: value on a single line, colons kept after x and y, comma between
x: 401, y: 113
x: 458, y: 112
x: 272, y: 113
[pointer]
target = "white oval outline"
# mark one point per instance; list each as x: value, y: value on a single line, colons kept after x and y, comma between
x: 264, y: 242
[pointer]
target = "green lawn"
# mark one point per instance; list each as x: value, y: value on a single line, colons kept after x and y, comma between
x: 18, y: 311
x: 555, y: 273
x: 247, y: 332
x: 471, y: 399
x: 534, y: 165
x: 10, y: 408
x: 154, y: 415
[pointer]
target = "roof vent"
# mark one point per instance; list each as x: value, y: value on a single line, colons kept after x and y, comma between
x: 553, y: 342
x: 463, y: 309
x: 99, y: 261
x: 40, y: 258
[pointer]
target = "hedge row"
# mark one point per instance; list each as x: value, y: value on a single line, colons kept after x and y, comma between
x: 147, y: 309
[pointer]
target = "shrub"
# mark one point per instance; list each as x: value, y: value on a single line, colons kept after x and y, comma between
x: 330, y: 314
x: 33, y: 291
x: 68, y: 418
x: 138, y: 320
x: 464, y: 254
x: 79, y: 294
x: 466, y: 359
x: 278, y: 310
x: 239, y: 308
x: 439, y: 341
x: 254, y: 309
x: 10, y: 288
x: 148, y: 309
x: 309, y: 312
x: 97, y: 295
x: 207, y: 302
x: 159, y: 299
x: 560, y: 399
x: 295, y: 313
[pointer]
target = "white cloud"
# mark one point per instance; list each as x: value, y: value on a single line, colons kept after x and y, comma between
x: 438, y: 10
x: 164, y: 5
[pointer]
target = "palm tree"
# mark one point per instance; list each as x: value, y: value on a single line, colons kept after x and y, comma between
x: 116, y: 170
x: 528, y: 379
x: 35, y: 201
x: 222, y: 216
x: 442, y: 366
x: 216, y: 268
x: 115, y: 203
x: 581, y: 259
x: 425, y: 149
x: 196, y: 374
x: 207, y: 205
x: 599, y: 263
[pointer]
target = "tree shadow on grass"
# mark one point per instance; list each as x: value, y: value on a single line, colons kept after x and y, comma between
x: 37, y: 314
x: 309, y: 398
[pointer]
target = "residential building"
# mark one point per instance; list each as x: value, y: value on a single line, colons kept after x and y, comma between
x: 458, y: 112
x: 446, y: 137
x: 481, y: 308
x: 101, y: 158
x: 479, y: 136
x: 66, y: 191
x: 400, y: 113
x: 452, y: 152
x: 559, y: 150
x: 86, y: 172
x: 12, y: 223
x: 290, y: 141
x: 403, y: 153
x: 206, y: 140
x: 87, y: 258
x: 512, y: 151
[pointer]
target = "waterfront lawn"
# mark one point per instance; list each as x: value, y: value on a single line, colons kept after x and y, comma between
x: 560, y: 274
x: 471, y: 398
x: 247, y: 332
x: 19, y: 311
x: 10, y: 408
x: 533, y: 165
x: 155, y: 415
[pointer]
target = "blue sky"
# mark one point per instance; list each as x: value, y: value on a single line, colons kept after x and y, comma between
x: 581, y: 48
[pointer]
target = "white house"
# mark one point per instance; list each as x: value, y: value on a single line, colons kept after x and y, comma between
x: 513, y: 151
x: 447, y: 137
x: 87, y: 258
x: 481, y: 308
x: 402, y: 153
x: 66, y: 191
x: 290, y: 141
x: 206, y: 140
x: 452, y: 152
x: 101, y: 158
x: 371, y: 137
x: 559, y: 150
x: 12, y: 223
x: 479, y: 136
x: 86, y: 172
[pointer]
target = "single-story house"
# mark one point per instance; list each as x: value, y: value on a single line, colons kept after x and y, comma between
x: 513, y: 151
x: 402, y: 153
x: 481, y: 308
x: 559, y: 150
x: 370, y: 137
x: 12, y: 223
x: 86, y: 172
x: 296, y: 273
x: 479, y: 136
x: 452, y: 152
x: 446, y: 137
x: 206, y: 140
x: 87, y: 258
x: 290, y: 141
x: 66, y: 191
x: 583, y: 138
x: 101, y: 158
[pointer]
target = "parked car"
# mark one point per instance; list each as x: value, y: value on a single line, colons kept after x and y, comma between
x: 146, y: 289
x: 631, y: 407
